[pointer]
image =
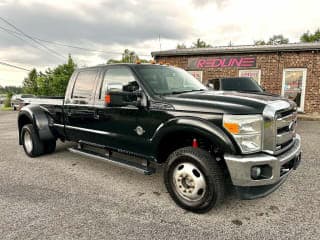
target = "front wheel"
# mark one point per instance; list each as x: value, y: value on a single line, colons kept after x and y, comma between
x: 194, y: 179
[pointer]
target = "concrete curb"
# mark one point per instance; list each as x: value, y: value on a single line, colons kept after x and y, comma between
x: 306, y: 117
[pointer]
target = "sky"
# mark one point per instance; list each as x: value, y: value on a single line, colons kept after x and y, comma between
x: 110, y: 26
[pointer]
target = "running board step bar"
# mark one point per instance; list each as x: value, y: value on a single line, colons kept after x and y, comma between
x: 147, y: 170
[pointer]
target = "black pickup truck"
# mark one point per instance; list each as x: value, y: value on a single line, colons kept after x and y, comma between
x: 141, y: 115
x: 240, y: 84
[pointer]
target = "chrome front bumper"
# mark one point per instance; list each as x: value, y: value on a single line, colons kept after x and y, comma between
x: 240, y: 166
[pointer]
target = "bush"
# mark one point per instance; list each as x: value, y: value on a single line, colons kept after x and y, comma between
x: 7, y: 102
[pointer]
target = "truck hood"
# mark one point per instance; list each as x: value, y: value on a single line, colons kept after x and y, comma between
x: 230, y: 102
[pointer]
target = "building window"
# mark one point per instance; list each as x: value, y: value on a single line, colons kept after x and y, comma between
x: 196, y: 74
x: 294, y: 84
x: 252, y: 73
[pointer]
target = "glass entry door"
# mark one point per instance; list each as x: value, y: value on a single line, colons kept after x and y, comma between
x: 293, y: 85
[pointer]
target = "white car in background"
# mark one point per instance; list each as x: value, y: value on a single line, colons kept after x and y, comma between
x: 20, y: 100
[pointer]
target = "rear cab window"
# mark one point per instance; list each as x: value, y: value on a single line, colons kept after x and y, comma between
x: 83, y: 89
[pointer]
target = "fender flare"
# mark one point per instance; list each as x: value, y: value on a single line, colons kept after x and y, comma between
x: 196, y: 125
x: 39, y: 119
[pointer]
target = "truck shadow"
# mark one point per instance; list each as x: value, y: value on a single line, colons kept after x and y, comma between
x: 154, y: 181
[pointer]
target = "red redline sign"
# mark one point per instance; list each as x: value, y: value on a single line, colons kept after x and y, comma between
x: 221, y: 62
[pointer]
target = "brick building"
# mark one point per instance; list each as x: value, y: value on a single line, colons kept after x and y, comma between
x: 292, y: 70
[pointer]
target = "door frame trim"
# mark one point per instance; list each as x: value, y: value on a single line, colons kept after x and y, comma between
x: 90, y: 130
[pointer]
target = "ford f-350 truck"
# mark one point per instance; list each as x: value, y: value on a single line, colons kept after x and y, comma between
x: 141, y: 115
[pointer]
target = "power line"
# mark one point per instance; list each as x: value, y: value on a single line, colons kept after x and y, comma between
x: 71, y: 46
x: 13, y: 33
x: 16, y: 34
x: 86, y: 49
x: 31, y: 38
x: 14, y: 66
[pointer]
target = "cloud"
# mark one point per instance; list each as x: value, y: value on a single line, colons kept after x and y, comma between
x: 113, y: 25
x: 28, y: 56
x: 203, y: 3
x: 103, y: 25
x: 109, y: 22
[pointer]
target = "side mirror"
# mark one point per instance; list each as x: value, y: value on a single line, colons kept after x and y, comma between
x: 115, y: 87
x: 120, y: 99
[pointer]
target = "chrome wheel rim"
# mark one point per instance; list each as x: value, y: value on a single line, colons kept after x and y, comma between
x: 27, y: 142
x: 189, y: 182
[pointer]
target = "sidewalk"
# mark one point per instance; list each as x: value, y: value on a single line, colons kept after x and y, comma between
x: 308, y: 117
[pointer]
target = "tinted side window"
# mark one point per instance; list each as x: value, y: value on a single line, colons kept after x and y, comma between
x: 119, y: 79
x: 84, y: 84
x: 241, y: 84
x: 216, y: 84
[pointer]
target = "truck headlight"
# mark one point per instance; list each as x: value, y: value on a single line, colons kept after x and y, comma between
x: 246, y: 130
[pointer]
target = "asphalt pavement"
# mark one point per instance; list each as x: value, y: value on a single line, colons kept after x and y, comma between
x: 65, y: 196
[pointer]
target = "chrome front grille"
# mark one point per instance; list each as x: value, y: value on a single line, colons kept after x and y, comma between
x: 286, y: 129
x: 280, y: 118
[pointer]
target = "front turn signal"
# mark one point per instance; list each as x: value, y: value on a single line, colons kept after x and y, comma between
x: 107, y: 99
x: 232, y: 127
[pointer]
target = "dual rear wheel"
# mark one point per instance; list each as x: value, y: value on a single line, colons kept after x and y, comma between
x: 32, y: 144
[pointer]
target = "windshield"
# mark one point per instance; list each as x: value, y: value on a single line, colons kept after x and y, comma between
x: 240, y: 84
x: 165, y: 80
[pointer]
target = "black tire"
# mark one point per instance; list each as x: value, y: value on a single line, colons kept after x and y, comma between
x: 206, y: 167
x: 37, y: 147
x: 49, y: 146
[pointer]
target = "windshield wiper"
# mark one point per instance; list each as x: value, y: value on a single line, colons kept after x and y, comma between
x: 186, y: 91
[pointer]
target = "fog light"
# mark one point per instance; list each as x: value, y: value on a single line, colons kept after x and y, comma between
x: 255, y: 172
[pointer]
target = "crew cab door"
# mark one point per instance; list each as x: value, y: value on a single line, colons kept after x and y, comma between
x: 78, y: 108
x: 116, y: 125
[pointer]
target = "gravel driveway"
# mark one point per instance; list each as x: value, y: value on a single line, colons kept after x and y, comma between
x: 65, y: 196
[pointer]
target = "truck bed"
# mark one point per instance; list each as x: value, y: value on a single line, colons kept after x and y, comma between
x: 46, y: 101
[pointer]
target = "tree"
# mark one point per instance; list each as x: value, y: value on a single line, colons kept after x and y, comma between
x: 277, y: 40
x: 7, y: 102
x: 127, y: 57
x: 53, y: 82
x: 111, y: 61
x: 200, y: 44
x: 311, y: 37
x: 181, y: 46
x: 259, y: 42
x: 12, y: 89
x: 30, y: 83
x: 43, y: 82
x: 274, y: 40
x: 59, y: 77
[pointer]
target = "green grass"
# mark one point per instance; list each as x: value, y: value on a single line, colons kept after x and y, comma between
x: 6, y: 108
